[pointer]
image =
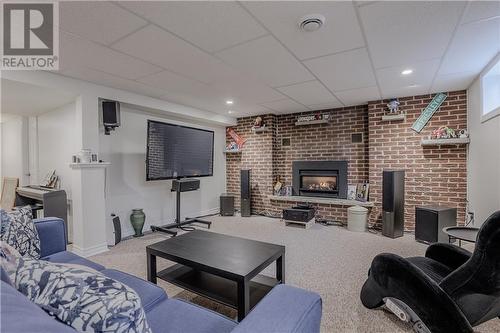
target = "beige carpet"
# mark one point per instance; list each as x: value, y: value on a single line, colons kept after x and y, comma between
x: 331, y: 261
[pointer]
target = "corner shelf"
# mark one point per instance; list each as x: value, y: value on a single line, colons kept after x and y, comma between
x: 312, y: 122
x: 259, y: 129
x: 232, y: 151
x: 439, y: 142
x: 394, y: 117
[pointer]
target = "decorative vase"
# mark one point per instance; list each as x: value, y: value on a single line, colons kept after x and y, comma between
x: 137, y: 219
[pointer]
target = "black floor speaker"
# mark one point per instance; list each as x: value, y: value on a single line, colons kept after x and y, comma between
x: 246, y: 198
x: 430, y: 221
x: 393, y: 203
x: 226, y: 204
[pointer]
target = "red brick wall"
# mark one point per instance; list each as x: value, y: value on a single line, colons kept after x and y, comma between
x: 330, y: 141
x: 434, y: 175
x: 257, y: 154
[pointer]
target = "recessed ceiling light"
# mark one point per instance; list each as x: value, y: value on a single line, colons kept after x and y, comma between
x: 230, y: 111
x: 407, y: 71
x: 229, y: 102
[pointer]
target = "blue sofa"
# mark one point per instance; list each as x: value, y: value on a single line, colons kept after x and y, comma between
x: 284, y: 309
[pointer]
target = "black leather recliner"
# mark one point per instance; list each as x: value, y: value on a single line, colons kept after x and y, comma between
x: 448, y: 290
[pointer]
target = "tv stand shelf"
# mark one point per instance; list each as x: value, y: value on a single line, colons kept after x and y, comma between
x: 320, y: 200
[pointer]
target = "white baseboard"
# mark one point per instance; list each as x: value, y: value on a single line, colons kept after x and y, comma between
x: 90, y: 251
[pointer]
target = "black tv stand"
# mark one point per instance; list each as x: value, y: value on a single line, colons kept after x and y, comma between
x: 178, y: 186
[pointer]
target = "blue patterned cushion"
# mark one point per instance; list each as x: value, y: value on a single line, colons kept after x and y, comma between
x: 18, y: 230
x: 81, y: 297
x: 9, y: 259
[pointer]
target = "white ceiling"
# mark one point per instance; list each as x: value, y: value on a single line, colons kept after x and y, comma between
x: 203, y: 53
x: 22, y: 99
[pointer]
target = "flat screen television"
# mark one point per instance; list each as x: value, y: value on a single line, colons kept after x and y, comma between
x: 175, y: 151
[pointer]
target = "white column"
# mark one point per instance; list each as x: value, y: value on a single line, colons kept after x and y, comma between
x: 88, y: 184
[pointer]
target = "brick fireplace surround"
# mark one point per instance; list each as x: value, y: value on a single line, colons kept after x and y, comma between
x: 434, y: 175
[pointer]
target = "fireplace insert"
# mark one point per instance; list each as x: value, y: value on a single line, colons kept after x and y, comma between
x: 320, y: 178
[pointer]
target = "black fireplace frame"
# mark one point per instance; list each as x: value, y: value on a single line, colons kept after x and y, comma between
x: 339, y: 166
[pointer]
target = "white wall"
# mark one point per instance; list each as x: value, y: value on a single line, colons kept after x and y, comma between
x: 126, y: 183
x: 483, y: 159
x: 55, y: 142
x: 14, y: 148
x: 89, y: 213
x: 56, y: 130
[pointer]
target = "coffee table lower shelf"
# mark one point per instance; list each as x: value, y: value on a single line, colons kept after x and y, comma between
x: 214, y: 287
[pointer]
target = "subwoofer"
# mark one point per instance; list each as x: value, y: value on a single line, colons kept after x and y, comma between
x: 430, y: 221
x: 393, y: 203
x: 246, y: 199
x: 226, y: 204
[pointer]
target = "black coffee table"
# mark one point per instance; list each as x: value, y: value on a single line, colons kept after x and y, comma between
x: 219, y: 267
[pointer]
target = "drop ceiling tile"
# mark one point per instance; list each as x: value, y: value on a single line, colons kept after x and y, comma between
x: 358, y: 96
x: 325, y: 106
x: 267, y: 59
x: 405, y: 91
x: 78, y: 52
x: 172, y: 82
x: 310, y: 93
x: 390, y: 78
x: 108, y: 80
x: 340, y: 32
x: 451, y: 82
x: 474, y: 45
x: 285, y: 106
x: 405, y: 32
x: 481, y: 10
x: 101, y: 22
x: 343, y: 71
x: 160, y: 47
x: 210, y: 25
x: 245, y: 88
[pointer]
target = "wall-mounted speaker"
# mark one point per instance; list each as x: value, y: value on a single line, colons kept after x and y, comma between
x: 246, y: 197
x: 110, y: 115
x: 393, y: 203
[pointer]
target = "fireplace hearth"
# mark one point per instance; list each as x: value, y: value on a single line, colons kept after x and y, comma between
x: 320, y: 178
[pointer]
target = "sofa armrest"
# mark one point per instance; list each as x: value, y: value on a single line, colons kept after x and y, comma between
x: 52, y: 233
x: 284, y: 309
x: 448, y: 254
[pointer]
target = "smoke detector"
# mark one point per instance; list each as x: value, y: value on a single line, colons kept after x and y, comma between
x: 311, y: 22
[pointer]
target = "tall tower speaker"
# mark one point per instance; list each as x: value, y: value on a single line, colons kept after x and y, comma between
x: 245, y: 202
x: 393, y: 203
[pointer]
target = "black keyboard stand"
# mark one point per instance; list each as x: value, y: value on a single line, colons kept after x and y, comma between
x: 178, y: 223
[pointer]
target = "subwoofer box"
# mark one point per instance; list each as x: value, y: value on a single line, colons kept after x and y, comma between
x: 226, y: 204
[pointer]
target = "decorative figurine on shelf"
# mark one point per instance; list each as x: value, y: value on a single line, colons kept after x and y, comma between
x: 443, y: 132
x: 393, y: 106
x: 258, y: 123
x: 232, y: 146
x: 463, y: 134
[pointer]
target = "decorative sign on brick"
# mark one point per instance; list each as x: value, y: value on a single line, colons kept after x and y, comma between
x: 428, y: 112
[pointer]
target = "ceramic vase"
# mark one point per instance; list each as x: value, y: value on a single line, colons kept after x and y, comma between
x: 137, y: 219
